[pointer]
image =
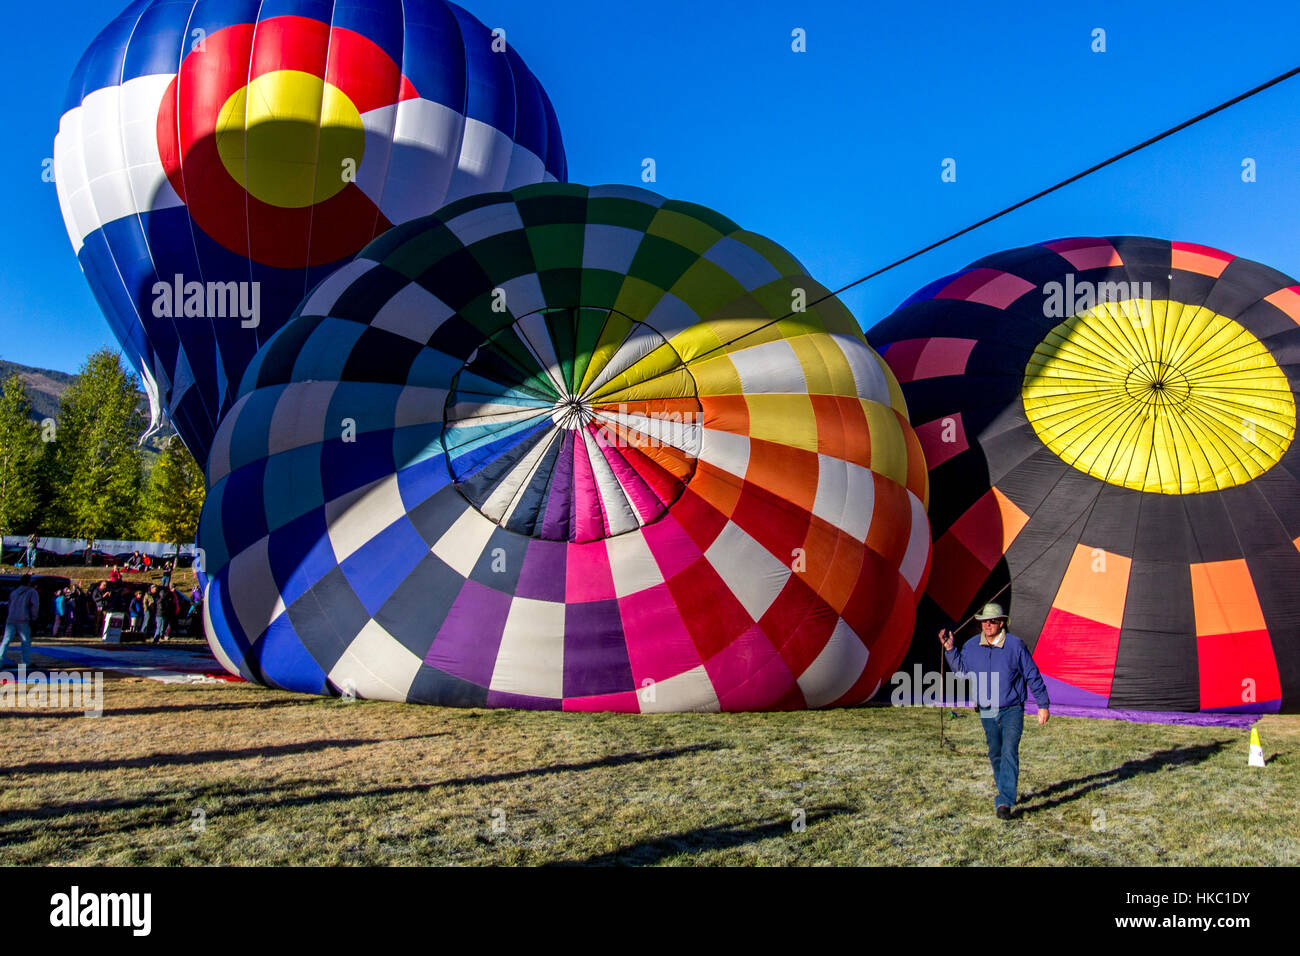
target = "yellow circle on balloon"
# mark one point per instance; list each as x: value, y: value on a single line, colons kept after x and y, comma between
x: 1159, y: 396
x: 290, y: 139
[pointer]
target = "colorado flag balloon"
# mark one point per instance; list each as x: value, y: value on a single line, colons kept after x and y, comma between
x: 216, y: 159
x: 568, y: 448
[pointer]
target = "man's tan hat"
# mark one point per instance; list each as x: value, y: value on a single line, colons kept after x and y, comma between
x: 991, y: 612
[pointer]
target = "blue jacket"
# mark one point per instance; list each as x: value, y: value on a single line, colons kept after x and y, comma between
x: 1013, y: 665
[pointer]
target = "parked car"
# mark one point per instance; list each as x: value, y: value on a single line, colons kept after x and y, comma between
x: 93, y: 558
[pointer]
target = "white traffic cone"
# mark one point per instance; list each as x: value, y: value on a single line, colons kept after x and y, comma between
x: 1256, y: 751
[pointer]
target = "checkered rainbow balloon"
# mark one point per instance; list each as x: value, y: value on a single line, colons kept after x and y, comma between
x: 568, y: 448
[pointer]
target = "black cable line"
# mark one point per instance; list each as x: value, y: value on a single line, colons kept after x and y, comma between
x: 1281, y: 77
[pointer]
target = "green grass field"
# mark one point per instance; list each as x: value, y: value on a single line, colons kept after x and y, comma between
x: 235, y: 774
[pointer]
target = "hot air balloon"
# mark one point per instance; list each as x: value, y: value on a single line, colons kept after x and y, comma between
x: 216, y: 159
x: 567, y: 448
x: 1109, y: 425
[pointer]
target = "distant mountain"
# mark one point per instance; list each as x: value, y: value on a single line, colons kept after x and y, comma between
x: 45, y: 387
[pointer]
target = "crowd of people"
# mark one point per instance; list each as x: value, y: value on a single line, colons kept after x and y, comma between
x: 153, y: 611
x: 139, y: 563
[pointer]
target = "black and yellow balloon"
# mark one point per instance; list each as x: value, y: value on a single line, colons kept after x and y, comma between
x: 1110, y: 427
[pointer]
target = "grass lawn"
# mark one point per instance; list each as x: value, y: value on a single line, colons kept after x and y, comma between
x: 182, y: 774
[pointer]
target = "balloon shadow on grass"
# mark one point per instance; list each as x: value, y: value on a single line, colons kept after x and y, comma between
x: 52, y: 818
x: 614, y: 760
x: 1153, y: 763
x: 723, y: 836
x: 210, y: 708
x: 202, y: 756
x: 234, y: 804
x: 156, y: 709
x: 55, y: 818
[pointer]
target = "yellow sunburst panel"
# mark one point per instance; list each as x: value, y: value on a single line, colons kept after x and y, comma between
x: 1159, y: 396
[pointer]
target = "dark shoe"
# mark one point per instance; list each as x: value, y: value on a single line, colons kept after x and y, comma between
x: 1004, y: 813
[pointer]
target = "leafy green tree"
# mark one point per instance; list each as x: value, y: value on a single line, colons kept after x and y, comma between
x: 175, y: 495
x: 21, y: 461
x: 95, y: 468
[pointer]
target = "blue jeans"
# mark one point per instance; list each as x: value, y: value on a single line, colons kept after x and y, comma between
x: 24, y: 630
x: 1002, y: 731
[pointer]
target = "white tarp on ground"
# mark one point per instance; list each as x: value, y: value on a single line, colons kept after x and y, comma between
x: 78, y: 545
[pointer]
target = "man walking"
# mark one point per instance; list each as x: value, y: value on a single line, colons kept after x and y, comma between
x: 24, y: 608
x: 1003, y: 669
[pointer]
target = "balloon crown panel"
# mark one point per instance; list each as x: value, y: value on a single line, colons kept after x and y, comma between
x: 526, y: 397
x: 212, y: 145
x: 568, y: 448
x: 1110, y: 427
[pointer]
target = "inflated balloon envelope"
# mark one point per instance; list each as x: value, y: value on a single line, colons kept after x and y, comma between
x: 568, y: 447
x: 1110, y: 428
x: 216, y: 159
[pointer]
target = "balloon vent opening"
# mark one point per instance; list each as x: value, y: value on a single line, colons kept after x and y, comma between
x: 573, y: 425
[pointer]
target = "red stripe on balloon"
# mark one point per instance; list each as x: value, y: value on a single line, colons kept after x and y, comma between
x: 288, y: 43
x: 365, y: 72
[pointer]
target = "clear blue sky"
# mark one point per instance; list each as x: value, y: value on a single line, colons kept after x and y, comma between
x: 836, y: 152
